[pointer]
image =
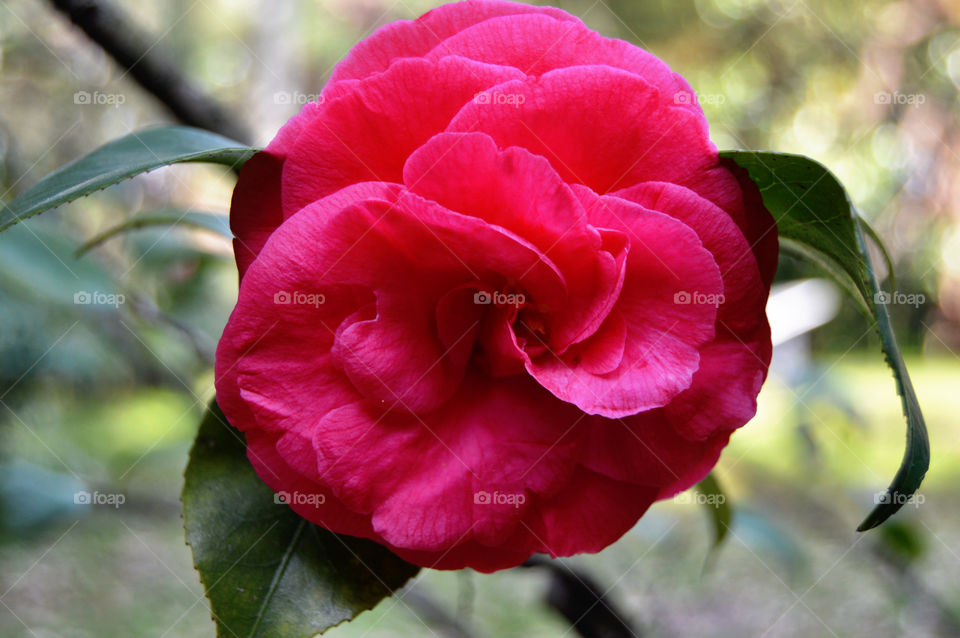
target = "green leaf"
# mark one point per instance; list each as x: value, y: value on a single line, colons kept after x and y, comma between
x: 267, y: 571
x: 128, y: 156
x: 875, y: 238
x: 831, y: 268
x: 816, y: 220
x: 715, y: 500
x: 217, y: 224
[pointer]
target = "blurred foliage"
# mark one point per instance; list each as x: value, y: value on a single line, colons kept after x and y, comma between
x: 107, y: 397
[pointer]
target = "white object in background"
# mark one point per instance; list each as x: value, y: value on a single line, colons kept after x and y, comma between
x: 800, y: 306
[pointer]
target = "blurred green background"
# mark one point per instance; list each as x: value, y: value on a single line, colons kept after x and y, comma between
x: 105, y: 397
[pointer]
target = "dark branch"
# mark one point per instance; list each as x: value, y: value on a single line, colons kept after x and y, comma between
x: 150, y: 66
x: 582, y: 602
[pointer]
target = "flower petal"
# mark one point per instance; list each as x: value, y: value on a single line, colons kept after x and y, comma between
x: 414, y: 38
x: 255, y: 208
x: 592, y: 512
x: 646, y: 450
x: 537, y: 43
x: 328, y: 511
x: 663, y: 334
x: 495, y: 436
x: 368, y: 132
x: 740, y: 353
x: 519, y: 191
x: 625, y: 131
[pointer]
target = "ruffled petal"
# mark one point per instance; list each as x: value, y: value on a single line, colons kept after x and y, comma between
x: 593, y: 512
x: 472, y: 469
x: 255, y: 208
x: 666, y: 264
x: 519, y: 191
x: 311, y: 500
x: 414, y: 38
x: 599, y: 126
x: 537, y: 43
x: 740, y: 353
x: 645, y: 449
x: 368, y: 132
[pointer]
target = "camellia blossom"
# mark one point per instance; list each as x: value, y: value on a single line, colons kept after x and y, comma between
x: 498, y: 292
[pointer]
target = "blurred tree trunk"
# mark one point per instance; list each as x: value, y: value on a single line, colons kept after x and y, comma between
x: 154, y: 70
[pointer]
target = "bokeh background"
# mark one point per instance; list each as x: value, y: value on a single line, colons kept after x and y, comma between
x: 106, y: 398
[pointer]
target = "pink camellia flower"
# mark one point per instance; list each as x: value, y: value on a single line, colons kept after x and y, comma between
x: 498, y: 292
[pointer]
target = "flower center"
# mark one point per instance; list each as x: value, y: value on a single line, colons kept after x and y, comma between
x: 513, y: 328
x: 530, y: 326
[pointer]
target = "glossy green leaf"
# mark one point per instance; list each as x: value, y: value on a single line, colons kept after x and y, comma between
x: 816, y: 220
x: 217, y: 224
x: 128, y: 156
x: 268, y: 572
